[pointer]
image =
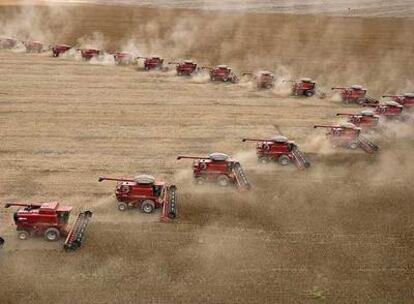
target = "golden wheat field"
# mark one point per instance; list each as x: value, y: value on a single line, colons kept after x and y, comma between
x: 340, y: 232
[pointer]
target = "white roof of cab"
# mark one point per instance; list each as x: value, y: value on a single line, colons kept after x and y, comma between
x: 357, y: 87
x: 367, y: 113
x: 409, y: 95
x: 305, y: 79
x: 392, y: 103
x: 218, y: 156
x: 279, y: 139
x: 144, y: 179
x: 348, y: 125
x: 222, y: 66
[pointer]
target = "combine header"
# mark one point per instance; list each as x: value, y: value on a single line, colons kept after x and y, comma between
x: 123, y: 58
x: 33, y: 46
x: 406, y: 100
x: 263, y: 79
x: 88, y: 54
x: 185, y: 68
x: 355, y: 94
x: 8, y: 42
x: 147, y: 194
x: 59, y: 49
x: 218, y: 168
x: 365, y: 119
x: 222, y: 73
x: 51, y: 221
x: 279, y: 149
x: 349, y: 136
x: 389, y: 109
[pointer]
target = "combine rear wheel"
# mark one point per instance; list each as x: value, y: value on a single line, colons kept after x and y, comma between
x: 263, y: 160
x: 199, y: 181
x: 308, y: 93
x: 223, y: 181
x: 52, y: 234
x: 23, y: 235
x: 147, y: 206
x: 353, y: 145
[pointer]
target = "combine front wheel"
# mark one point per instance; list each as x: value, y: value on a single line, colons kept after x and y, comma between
x: 147, y: 206
x: 52, y: 234
x: 23, y: 235
x: 284, y: 160
x: 223, y: 181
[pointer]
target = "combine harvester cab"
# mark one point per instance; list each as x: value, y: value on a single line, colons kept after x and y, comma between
x: 355, y: 94
x: 220, y: 169
x: 365, y: 119
x: 50, y: 220
x: 223, y: 73
x: 262, y: 79
x: 147, y: 194
x: 349, y: 136
x: 281, y: 150
x: 304, y: 87
x: 153, y: 63
x: 185, y: 68
x: 59, y: 49
x: 406, y: 100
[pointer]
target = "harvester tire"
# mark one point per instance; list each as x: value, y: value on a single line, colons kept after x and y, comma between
x: 263, y: 160
x: 122, y: 207
x: 309, y: 93
x: 223, y: 181
x: 284, y: 160
x: 147, y: 206
x: 199, y: 181
x: 353, y: 145
x: 23, y: 235
x: 52, y: 234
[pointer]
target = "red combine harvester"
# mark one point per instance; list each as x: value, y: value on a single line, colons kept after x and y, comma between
x: 8, y: 43
x: 123, y: 58
x: 349, y: 136
x: 51, y: 221
x: 185, y: 68
x: 263, y: 79
x: 88, y: 54
x: 303, y: 87
x: 147, y: 194
x: 153, y: 63
x: 406, y: 100
x: 222, y: 73
x: 281, y: 150
x: 389, y: 109
x: 365, y: 119
x: 33, y: 46
x: 355, y: 94
x: 59, y: 49
x: 218, y: 168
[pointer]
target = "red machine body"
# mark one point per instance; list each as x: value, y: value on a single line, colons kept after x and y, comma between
x: 406, y: 100
x: 8, y: 42
x: 88, y: 54
x: 218, y: 168
x: 185, y: 68
x: 51, y: 221
x: 145, y: 193
x: 123, y: 58
x: 263, y: 79
x: 59, y: 49
x: 281, y: 150
x: 33, y: 46
x: 349, y: 136
x: 355, y: 94
x: 223, y: 73
x: 389, y: 109
x: 365, y: 119
x: 153, y: 63
x: 304, y: 87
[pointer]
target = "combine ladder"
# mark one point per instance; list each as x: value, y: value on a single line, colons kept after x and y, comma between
x: 169, y: 208
x: 242, y: 181
x: 76, y: 234
x: 300, y: 159
x: 367, y: 145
